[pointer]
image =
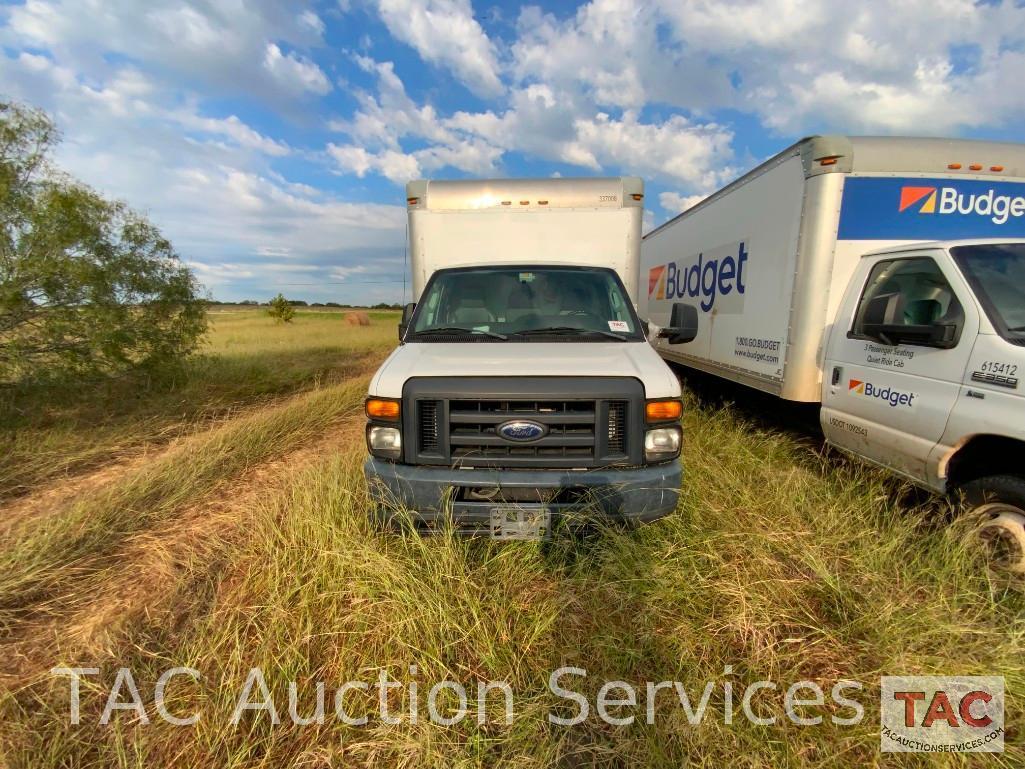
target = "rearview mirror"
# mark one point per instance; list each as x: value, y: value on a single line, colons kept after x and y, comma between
x: 683, y: 324
x: 407, y: 315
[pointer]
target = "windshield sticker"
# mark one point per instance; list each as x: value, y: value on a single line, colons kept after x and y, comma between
x: 526, y: 277
x: 482, y: 328
x: 619, y: 325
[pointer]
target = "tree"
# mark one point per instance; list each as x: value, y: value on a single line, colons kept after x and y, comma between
x: 87, y: 285
x: 281, y: 309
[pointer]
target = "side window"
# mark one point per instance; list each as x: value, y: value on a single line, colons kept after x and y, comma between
x: 913, y: 294
x: 431, y: 316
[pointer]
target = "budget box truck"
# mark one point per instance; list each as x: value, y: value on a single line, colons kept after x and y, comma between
x: 523, y: 389
x: 883, y: 278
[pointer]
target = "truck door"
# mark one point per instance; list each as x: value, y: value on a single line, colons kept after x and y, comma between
x: 888, y: 400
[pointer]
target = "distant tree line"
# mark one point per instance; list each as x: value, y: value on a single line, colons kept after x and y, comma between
x: 302, y: 303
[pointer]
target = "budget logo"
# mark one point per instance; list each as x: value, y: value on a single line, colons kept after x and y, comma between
x: 950, y: 200
x: 909, y: 196
x: 941, y: 714
x: 657, y: 281
x: 890, y: 395
x: 715, y: 277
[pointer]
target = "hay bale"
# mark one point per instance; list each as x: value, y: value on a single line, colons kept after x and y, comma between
x: 357, y: 318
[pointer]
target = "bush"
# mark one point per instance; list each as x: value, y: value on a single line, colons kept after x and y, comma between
x: 281, y: 309
x: 87, y: 286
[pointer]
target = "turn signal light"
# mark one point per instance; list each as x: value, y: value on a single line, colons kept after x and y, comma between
x: 954, y: 166
x: 387, y: 410
x: 975, y: 167
x: 998, y: 169
x: 827, y: 162
x: 663, y: 411
x: 412, y: 201
x: 637, y: 196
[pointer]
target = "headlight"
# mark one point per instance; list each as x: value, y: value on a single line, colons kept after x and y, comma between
x: 662, y: 443
x: 384, y: 441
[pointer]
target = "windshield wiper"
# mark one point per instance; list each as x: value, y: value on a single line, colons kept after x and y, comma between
x: 460, y: 330
x: 569, y: 330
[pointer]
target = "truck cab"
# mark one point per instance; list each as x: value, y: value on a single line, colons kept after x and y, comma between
x: 923, y: 371
x: 523, y: 390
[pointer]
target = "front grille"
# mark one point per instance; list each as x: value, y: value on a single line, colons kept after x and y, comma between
x: 427, y: 426
x: 473, y: 429
x: 457, y: 429
x: 617, y: 426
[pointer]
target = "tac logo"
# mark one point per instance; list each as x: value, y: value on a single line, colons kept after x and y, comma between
x: 887, y: 394
x: 909, y: 196
x: 934, y: 714
x: 657, y: 281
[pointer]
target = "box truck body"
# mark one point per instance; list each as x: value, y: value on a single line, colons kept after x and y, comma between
x: 515, y: 221
x: 523, y: 390
x: 883, y: 278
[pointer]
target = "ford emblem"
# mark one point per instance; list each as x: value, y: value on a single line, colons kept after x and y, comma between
x: 521, y: 430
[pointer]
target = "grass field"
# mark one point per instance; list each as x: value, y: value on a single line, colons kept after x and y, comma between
x: 218, y: 522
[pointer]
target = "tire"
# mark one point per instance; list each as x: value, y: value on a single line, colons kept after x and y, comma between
x: 996, y: 506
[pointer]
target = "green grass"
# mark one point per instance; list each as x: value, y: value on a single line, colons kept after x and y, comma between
x: 783, y: 564
x: 246, y: 359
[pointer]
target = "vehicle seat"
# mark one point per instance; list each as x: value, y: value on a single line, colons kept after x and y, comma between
x: 520, y: 303
x: 580, y: 303
x: 922, y: 312
x: 471, y: 311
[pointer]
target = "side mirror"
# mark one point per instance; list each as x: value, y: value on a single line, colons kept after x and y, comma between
x: 407, y: 315
x: 884, y: 321
x: 683, y: 324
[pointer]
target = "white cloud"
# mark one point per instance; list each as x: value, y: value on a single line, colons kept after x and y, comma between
x: 220, y: 46
x: 675, y: 203
x: 798, y: 65
x: 295, y: 72
x: 205, y: 181
x: 445, y: 32
x: 232, y: 128
x: 393, y: 165
x: 676, y: 148
x: 539, y: 121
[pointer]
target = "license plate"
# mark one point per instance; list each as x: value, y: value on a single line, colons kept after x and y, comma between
x: 521, y: 522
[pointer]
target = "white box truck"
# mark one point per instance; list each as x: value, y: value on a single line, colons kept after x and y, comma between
x: 883, y: 278
x: 523, y: 389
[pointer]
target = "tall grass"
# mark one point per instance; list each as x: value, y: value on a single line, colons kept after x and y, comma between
x: 778, y: 564
x: 247, y: 358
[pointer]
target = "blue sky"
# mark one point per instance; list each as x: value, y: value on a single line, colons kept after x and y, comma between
x: 271, y: 140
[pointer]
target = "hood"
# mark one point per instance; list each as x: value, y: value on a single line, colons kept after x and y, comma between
x: 581, y: 359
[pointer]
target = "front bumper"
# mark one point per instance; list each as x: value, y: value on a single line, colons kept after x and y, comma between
x: 432, y: 494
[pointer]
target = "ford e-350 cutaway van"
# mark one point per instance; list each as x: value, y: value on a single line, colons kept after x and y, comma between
x: 524, y: 389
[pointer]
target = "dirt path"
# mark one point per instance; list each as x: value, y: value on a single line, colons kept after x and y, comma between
x: 85, y: 626
x: 59, y: 493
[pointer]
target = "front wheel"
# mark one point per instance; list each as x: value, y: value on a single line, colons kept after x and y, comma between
x: 996, y: 509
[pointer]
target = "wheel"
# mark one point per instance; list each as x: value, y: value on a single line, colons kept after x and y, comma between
x: 996, y: 506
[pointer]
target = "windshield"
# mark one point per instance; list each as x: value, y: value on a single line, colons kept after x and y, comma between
x: 997, y: 275
x: 518, y: 303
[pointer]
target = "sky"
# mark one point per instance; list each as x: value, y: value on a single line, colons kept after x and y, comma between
x: 271, y: 141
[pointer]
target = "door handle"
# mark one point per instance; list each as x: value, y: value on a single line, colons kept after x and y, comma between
x: 837, y: 371
x: 976, y: 394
